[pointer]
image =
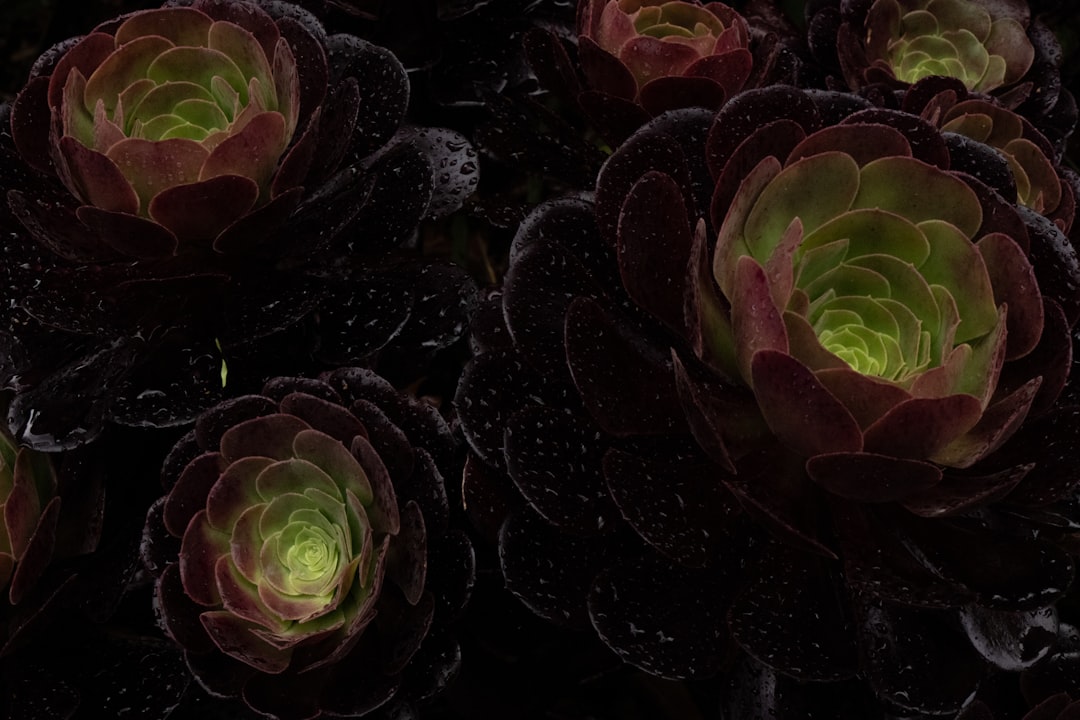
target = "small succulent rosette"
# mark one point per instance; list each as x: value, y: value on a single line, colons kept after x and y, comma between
x: 233, y: 156
x: 1029, y: 171
x: 648, y: 50
x: 304, y: 555
x: 997, y: 48
x: 815, y: 369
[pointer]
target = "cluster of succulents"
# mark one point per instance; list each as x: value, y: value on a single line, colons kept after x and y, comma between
x: 541, y: 358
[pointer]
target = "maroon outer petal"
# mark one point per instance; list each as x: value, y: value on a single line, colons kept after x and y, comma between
x: 267, y: 436
x: 729, y: 70
x: 129, y: 234
x: 920, y: 427
x: 406, y: 562
x: 30, y: 119
x: 868, y: 477
x: 199, y: 211
x: 799, y: 409
x: 188, y: 495
x: 85, y: 56
x: 37, y: 553
x: 625, y: 382
x: 654, y: 247
x: 95, y: 179
x: 959, y: 493
x: 998, y: 423
x: 605, y: 72
x: 234, y: 637
x: 1014, y: 283
x: 384, y: 510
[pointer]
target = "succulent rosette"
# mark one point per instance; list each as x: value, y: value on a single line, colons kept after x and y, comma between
x: 997, y: 48
x: 1041, y: 184
x: 237, y: 158
x: 820, y: 401
x: 304, y: 555
x: 645, y: 50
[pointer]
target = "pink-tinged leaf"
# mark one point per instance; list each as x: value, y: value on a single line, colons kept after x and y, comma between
x: 128, y: 234
x: 241, y: 597
x: 22, y: 509
x: 189, y: 495
x: 799, y: 409
x: 243, y: 48
x: 234, y: 636
x: 196, y: 213
x: 407, y: 559
x: 706, y: 312
x: 945, y: 379
x: 755, y: 320
x: 74, y: 117
x: 920, y: 427
x: 803, y: 342
x: 1051, y: 360
x: 234, y: 492
x: 776, y: 139
x: 872, y: 478
x: 294, y: 475
x: 864, y: 142
x: 730, y: 70
x: 779, y: 266
x: 997, y: 424
x: 649, y: 58
x: 96, y: 179
x: 327, y: 417
x: 297, y: 608
x: 200, y: 550
x: 1014, y: 283
x: 297, y: 161
x: 613, y: 28
x: 866, y: 398
x: 266, y: 436
x: 246, y: 541
x: 383, y: 511
x: 252, y: 153
x: 886, y: 183
x: 960, y: 493
x: 287, y: 87
x: 336, y: 461
x: 37, y: 554
x: 731, y: 244
x: 85, y: 56
x: 121, y: 69
x: 153, y: 166
x: 179, y: 25
x: 248, y: 16
x: 605, y: 72
x: 30, y: 119
x: 654, y: 246
x: 106, y: 132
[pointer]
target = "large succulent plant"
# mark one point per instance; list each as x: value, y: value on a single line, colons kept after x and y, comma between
x: 838, y: 343
x: 231, y: 155
x: 303, y: 551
